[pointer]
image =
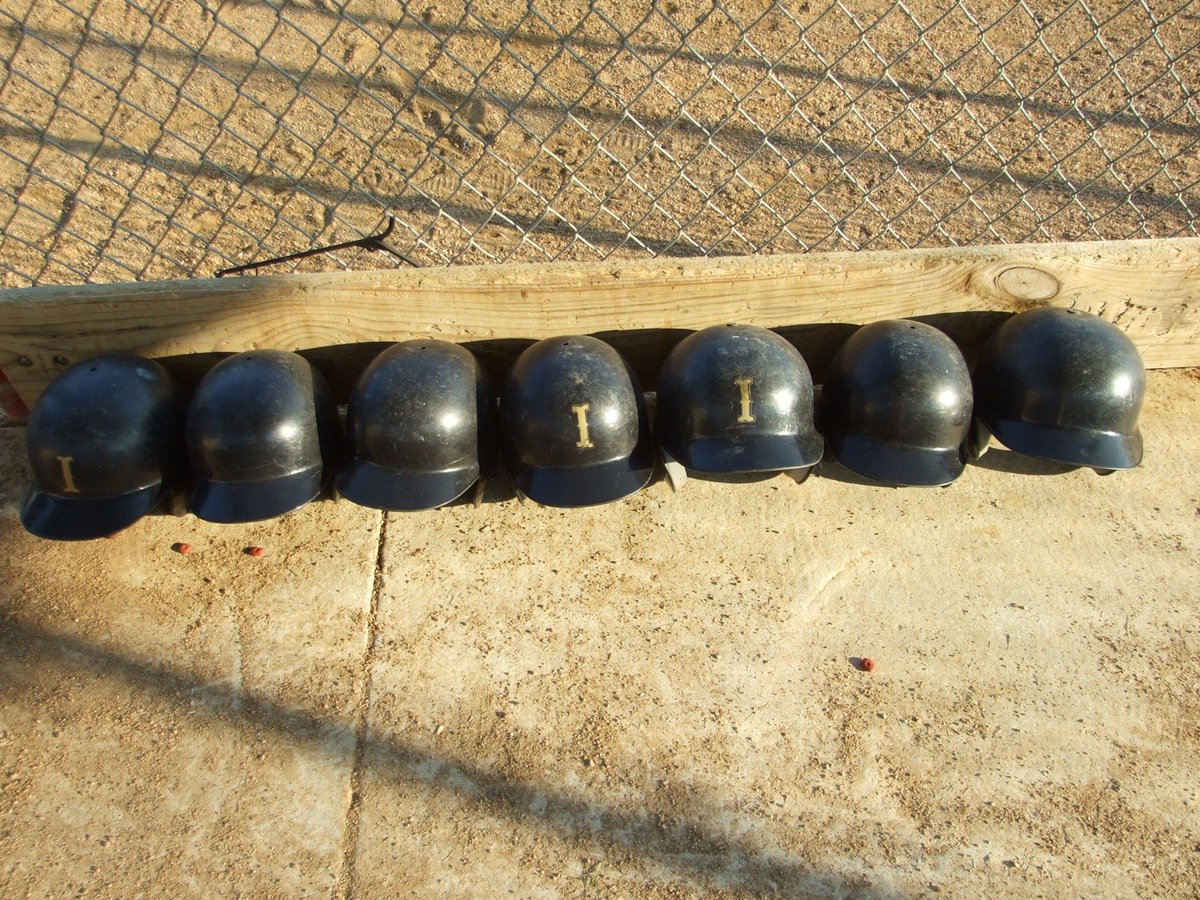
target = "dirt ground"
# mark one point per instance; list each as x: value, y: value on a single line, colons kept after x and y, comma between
x: 174, y: 141
x: 653, y: 698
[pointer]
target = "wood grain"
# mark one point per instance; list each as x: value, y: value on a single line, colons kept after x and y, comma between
x: 1150, y: 289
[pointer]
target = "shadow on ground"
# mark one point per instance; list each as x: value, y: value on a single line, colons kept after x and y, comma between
x: 1019, y: 464
x: 681, y: 843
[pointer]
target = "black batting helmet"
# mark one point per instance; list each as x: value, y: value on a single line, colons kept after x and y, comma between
x: 1063, y: 385
x: 574, y: 424
x: 105, y: 443
x: 896, y: 404
x: 261, y: 436
x: 422, y: 427
x: 737, y: 399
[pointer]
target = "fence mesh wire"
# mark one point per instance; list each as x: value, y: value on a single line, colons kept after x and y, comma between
x: 172, y: 139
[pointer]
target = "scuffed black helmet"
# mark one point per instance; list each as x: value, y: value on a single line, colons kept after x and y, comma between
x: 896, y: 404
x: 422, y: 427
x: 737, y: 399
x: 1063, y: 385
x: 105, y: 443
x: 574, y: 424
x: 261, y: 432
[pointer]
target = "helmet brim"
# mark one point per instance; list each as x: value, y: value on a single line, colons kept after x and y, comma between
x: 586, y: 485
x: 231, y: 502
x: 1098, y: 449
x: 378, y: 487
x: 85, y: 518
x: 889, y: 464
x: 764, y: 453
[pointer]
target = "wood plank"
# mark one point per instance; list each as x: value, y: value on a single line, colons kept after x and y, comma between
x: 1151, y: 289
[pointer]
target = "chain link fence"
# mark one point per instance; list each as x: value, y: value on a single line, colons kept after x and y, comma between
x: 174, y: 139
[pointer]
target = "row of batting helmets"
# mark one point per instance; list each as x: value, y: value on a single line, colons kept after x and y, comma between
x: 260, y: 434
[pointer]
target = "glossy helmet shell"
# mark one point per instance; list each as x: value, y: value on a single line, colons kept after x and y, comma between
x: 261, y: 434
x: 105, y: 443
x: 1063, y: 385
x: 896, y: 404
x: 736, y: 398
x: 574, y: 428
x: 422, y: 427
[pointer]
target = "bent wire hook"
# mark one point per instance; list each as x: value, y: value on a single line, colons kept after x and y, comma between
x: 371, y: 242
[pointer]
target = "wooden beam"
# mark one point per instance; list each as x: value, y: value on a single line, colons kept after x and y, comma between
x: 1151, y: 289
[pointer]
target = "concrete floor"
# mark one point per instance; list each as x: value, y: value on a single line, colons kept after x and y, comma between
x: 651, y: 698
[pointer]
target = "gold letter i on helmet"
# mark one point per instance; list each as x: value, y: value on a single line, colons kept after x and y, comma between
x: 64, y: 463
x: 580, y: 411
x: 744, y: 385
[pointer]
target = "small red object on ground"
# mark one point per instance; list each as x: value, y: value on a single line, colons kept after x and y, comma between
x: 182, y: 547
x: 868, y: 664
x: 255, y: 551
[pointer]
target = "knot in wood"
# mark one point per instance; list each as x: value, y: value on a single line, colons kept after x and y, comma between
x: 1027, y: 283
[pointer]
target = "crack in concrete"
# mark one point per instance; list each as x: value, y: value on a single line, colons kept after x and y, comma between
x: 817, y: 589
x: 343, y: 886
x: 239, y: 659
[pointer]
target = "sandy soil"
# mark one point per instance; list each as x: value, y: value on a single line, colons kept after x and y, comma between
x: 137, y: 146
x: 655, y: 698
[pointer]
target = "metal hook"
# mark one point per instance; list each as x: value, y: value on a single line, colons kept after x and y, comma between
x: 371, y: 242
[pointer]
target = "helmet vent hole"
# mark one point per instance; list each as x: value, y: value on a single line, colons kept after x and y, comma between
x: 93, y: 369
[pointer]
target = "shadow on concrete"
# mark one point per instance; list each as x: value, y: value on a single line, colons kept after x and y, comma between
x: 830, y: 468
x: 731, y: 477
x: 995, y: 459
x: 1000, y: 460
x: 497, y: 488
x: 682, y: 843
